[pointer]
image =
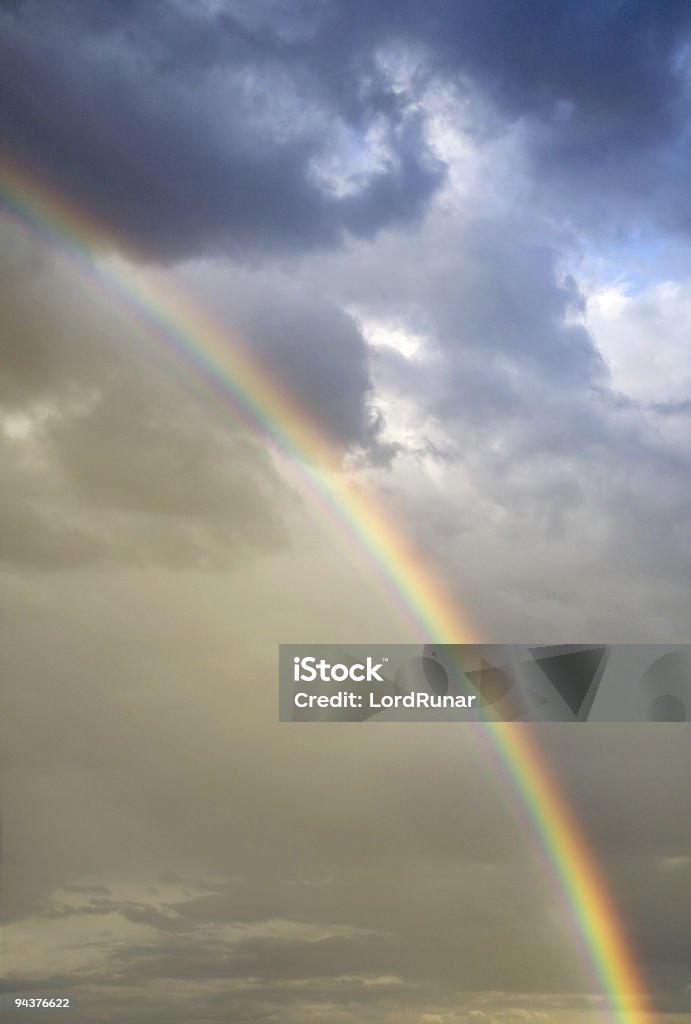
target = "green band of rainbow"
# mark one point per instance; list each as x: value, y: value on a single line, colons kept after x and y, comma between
x: 223, y: 361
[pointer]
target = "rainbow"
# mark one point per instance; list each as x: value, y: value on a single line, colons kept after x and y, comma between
x: 227, y: 366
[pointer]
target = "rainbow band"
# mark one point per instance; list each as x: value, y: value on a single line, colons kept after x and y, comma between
x: 576, y: 871
x: 268, y: 409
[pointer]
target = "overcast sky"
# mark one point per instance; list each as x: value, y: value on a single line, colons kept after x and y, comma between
x: 459, y: 234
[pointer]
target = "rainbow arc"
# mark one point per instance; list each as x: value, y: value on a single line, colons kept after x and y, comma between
x: 224, y: 363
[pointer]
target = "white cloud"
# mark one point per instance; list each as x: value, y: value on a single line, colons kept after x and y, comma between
x: 645, y: 337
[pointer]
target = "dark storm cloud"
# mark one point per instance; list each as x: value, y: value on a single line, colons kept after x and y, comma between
x: 194, y: 128
x: 601, y: 86
x: 612, y: 60
x: 188, y: 131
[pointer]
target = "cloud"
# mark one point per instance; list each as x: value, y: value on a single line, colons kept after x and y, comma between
x: 439, y: 228
x: 513, y: 429
x: 643, y: 334
x: 310, y: 347
x: 206, y: 129
x: 251, y: 130
x: 104, y: 453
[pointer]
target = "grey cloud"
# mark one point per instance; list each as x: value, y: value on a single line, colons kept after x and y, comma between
x: 189, y: 131
x: 486, y: 292
x: 511, y: 389
x: 194, y: 129
x: 601, y: 89
x: 613, y: 61
x: 310, y: 347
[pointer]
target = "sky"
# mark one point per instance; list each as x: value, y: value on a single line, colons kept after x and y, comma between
x: 458, y: 234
